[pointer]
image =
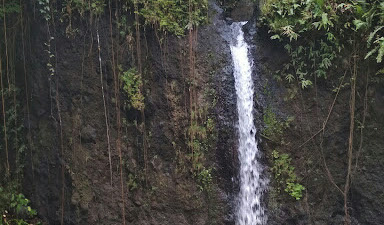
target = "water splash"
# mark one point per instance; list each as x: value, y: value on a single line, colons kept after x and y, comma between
x: 249, y: 208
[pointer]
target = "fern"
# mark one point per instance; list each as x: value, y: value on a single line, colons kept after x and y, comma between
x: 380, y: 54
x: 370, y: 53
x: 372, y: 35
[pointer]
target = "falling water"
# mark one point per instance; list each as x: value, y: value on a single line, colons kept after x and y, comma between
x: 249, y: 208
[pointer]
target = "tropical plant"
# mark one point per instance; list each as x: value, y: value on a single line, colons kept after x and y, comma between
x: 324, y: 36
x: 174, y: 16
x: 14, y: 207
x: 317, y: 32
x: 274, y: 127
x: 132, y: 83
x: 285, y: 175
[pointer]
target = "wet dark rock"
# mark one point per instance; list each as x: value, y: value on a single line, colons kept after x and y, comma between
x: 138, y: 199
x: 41, y: 112
x: 86, y: 99
x: 229, y: 20
x: 243, y: 11
x: 173, y: 197
x: 88, y: 134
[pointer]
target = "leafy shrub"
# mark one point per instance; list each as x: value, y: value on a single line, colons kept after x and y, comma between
x: 21, y: 205
x: 317, y: 32
x: 132, y: 84
x: 205, y: 179
x: 95, y: 7
x: 174, y: 16
x: 274, y: 127
x: 285, y: 175
x: 375, y: 40
x: 132, y: 182
x: 14, y: 206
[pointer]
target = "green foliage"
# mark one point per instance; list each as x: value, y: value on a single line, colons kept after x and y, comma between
x: 15, y: 137
x: 210, y: 124
x: 285, y: 175
x: 21, y: 205
x: 50, y: 55
x: 200, y: 171
x: 375, y: 39
x: 308, y: 61
x: 318, y: 32
x: 14, y: 205
x: 203, y: 138
x: 132, y: 183
x: 274, y: 127
x: 97, y: 7
x: 94, y: 7
x: 174, y: 16
x: 125, y: 30
x: 75, y: 9
x: 132, y: 84
x: 10, y: 7
x: 296, y: 21
x: 203, y: 135
x: 45, y: 9
x: 205, y: 179
x: 168, y: 16
x: 291, y: 18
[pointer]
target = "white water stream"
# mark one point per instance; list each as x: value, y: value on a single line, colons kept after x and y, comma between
x: 249, y: 208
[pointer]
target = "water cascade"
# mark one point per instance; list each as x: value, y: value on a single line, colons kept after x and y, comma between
x: 249, y: 208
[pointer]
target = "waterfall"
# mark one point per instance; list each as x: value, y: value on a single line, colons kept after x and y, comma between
x: 249, y: 208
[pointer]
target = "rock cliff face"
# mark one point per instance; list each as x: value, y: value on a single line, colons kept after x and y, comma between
x: 70, y: 136
x: 68, y: 177
x: 322, y: 203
